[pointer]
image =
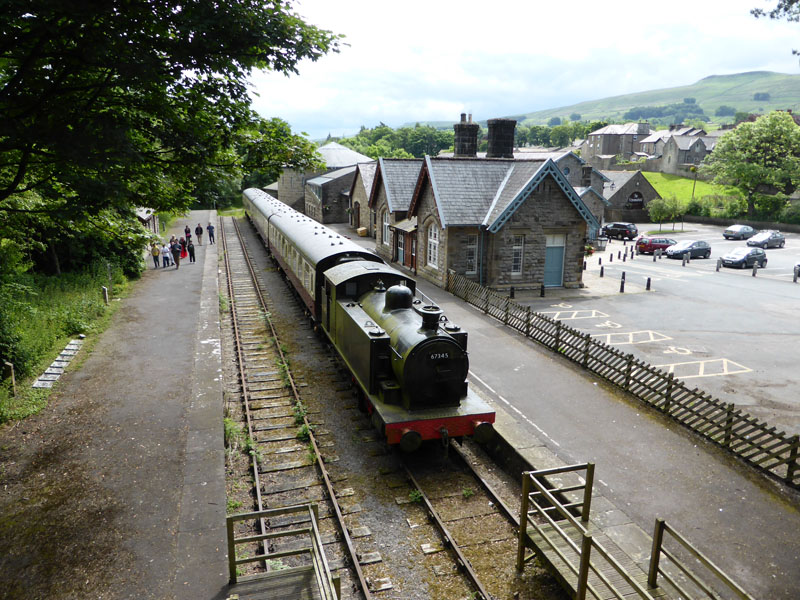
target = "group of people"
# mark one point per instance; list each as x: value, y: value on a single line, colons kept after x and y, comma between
x: 171, y: 253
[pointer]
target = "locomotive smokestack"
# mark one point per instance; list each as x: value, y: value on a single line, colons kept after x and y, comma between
x: 430, y: 314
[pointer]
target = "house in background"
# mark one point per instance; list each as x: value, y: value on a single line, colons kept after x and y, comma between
x: 292, y: 183
x: 392, y: 190
x: 361, y: 215
x: 149, y: 219
x: 327, y: 197
x: 628, y: 194
x: 613, y: 140
x: 682, y: 151
x: 653, y: 144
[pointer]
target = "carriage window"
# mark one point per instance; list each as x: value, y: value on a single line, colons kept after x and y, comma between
x: 351, y: 289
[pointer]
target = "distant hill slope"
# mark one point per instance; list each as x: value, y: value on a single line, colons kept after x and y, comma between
x: 710, y: 93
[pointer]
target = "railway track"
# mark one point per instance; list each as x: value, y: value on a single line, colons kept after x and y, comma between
x: 419, y: 527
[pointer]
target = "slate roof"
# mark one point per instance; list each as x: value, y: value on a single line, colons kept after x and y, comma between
x: 399, y: 178
x: 337, y: 156
x: 583, y: 191
x: 617, y: 179
x: 331, y: 175
x: 367, y: 172
x: 487, y: 192
x: 685, y: 142
x: 619, y: 129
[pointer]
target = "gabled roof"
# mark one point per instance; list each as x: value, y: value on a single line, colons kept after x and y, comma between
x: 685, y: 142
x: 619, y: 129
x: 616, y: 179
x: 367, y: 172
x: 398, y: 176
x: 337, y: 156
x: 590, y: 191
x: 487, y: 192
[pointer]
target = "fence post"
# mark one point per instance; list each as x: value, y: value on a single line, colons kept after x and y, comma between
x: 586, y: 345
x: 792, y: 465
x: 9, y: 368
x: 486, y: 304
x: 655, y: 554
x: 587, y: 492
x: 628, y: 369
x: 583, y: 571
x: 505, y: 318
x: 105, y: 294
x: 668, y: 392
x: 558, y: 336
x: 231, y: 551
x: 728, y: 425
x: 528, y: 322
x: 523, y: 522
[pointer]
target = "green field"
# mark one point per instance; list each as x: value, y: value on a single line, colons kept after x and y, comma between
x: 681, y: 187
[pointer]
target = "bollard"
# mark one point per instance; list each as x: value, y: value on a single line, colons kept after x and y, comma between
x: 599, y: 260
x: 619, y: 254
x: 647, y: 288
x: 755, y: 268
x: 611, y: 258
x: 622, y: 284
x: 511, y: 292
x: 584, y: 265
x: 796, y: 273
x: 719, y: 264
x: 541, y: 292
x: 624, y: 257
x: 654, y: 255
x: 623, y: 276
x: 105, y: 294
x: 601, y: 271
x: 9, y: 369
x: 632, y: 253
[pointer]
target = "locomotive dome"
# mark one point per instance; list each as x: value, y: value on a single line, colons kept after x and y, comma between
x: 398, y: 296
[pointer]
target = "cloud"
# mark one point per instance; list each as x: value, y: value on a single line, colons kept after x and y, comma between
x: 422, y: 60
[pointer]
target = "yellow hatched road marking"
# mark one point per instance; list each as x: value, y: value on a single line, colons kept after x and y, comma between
x: 705, y: 368
x: 632, y: 337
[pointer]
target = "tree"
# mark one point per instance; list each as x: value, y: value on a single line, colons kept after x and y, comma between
x: 116, y: 103
x: 575, y: 117
x: 725, y: 111
x: 784, y: 9
x: 663, y: 209
x: 761, y: 158
x: 560, y: 135
x: 554, y: 121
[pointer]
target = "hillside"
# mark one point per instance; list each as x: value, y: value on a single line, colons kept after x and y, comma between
x: 711, y: 92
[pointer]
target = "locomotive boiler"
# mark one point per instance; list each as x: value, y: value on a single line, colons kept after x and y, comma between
x: 410, y: 363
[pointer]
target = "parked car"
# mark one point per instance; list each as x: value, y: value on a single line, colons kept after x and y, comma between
x: 745, y: 257
x: 648, y: 245
x: 695, y: 249
x: 739, y: 232
x: 620, y: 230
x: 767, y: 239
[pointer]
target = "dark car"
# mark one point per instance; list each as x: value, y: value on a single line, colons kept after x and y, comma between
x: 745, y: 257
x: 767, y: 239
x: 695, y: 249
x: 648, y: 245
x: 620, y: 230
x: 739, y: 232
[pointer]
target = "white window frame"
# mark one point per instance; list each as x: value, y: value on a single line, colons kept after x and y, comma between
x: 385, y: 226
x: 472, y: 253
x: 433, y: 245
x: 517, y: 254
x: 401, y: 254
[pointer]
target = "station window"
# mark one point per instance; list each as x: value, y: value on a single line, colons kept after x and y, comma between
x: 517, y: 253
x: 433, y: 246
x: 472, y: 253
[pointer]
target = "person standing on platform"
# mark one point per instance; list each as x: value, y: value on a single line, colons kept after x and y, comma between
x: 165, y: 256
x: 198, y: 232
x: 210, y: 230
x: 190, y: 250
x: 182, y: 245
x: 187, y: 233
x: 176, y: 254
x: 155, y: 251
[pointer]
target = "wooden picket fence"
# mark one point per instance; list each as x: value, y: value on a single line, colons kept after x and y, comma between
x: 769, y: 450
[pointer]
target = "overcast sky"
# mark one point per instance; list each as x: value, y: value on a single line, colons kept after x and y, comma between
x: 430, y: 60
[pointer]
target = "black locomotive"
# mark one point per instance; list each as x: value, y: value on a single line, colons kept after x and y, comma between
x: 409, y: 361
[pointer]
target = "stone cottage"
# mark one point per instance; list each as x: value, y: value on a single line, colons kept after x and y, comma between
x: 360, y: 213
x: 501, y: 222
x: 628, y: 194
x: 613, y: 140
x: 392, y: 189
x: 327, y: 197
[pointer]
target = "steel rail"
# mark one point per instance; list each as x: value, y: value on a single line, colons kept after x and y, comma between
x: 448, y: 538
x: 312, y: 439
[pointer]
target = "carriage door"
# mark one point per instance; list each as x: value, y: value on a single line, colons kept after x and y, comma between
x: 554, y: 259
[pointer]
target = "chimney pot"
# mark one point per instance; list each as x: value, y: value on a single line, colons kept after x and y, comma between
x: 501, y: 138
x: 466, y: 138
x: 463, y: 117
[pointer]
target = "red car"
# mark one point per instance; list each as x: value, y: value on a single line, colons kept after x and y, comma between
x: 648, y: 245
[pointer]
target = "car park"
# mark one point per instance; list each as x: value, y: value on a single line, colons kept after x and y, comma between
x: 620, y: 230
x: 767, y: 238
x: 739, y: 232
x: 745, y: 257
x: 694, y: 248
x: 648, y: 244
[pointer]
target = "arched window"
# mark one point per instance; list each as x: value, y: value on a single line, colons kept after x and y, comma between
x: 433, y: 246
x: 385, y: 228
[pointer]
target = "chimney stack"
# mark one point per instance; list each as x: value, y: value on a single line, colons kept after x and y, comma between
x: 466, y: 139
x: 501, y: 138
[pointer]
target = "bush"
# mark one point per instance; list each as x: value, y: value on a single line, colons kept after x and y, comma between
x: 791, y: 213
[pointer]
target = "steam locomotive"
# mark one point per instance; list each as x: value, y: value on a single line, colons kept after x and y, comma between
x: 409, y: 362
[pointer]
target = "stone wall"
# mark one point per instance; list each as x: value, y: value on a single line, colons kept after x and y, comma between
x: 426, y: 216
x: 291, y: 188
x: 361, y: 199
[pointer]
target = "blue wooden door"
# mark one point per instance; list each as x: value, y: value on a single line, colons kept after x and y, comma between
x: 554, y: 260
